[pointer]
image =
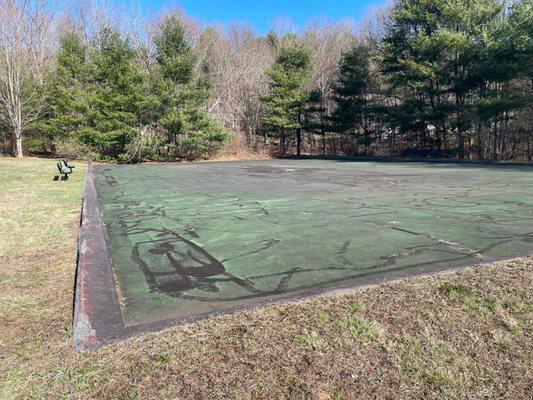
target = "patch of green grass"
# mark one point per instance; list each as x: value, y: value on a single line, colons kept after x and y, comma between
x: 355, y: 307
x: 478, y: 306
x: 490, y: 304
x: 311, y: 340
x: 323, y: 319
x: 428, y: 361
x: 164, y: 358
x: 19, y: 351
x: 459, y: 291
x: 360, y: 328
x: 143, y: 367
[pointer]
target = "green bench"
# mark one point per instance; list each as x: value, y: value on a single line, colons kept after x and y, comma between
x: 65, y: 169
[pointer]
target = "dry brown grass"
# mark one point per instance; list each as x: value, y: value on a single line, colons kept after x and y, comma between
x: 466, y: 334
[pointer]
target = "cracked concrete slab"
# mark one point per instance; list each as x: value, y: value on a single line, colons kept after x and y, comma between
x: 177, y: 242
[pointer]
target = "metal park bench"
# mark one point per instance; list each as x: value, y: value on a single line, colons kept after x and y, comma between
x: 64, y: 169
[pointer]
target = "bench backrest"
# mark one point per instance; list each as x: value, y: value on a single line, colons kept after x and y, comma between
x: 62, y: 167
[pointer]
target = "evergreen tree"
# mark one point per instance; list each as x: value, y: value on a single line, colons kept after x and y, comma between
x: 315, y: 118
x: 454, y: 79
x: 434, y: 62
x: 288, y: 96
x: 353, y: 112
x: 96, y: 96
x: 67, y: 101
x: 190, y: 130
x: 115, y: 95
x: 413, y: 67
x: 504, y: 75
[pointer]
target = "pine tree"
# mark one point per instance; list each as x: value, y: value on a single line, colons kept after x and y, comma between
x: 434, y: 61
x: 115, y: 95
x: 96, y: 98
x: 354, y: 108
x: 505, y: 74
x: 412, y: 66
x: 67, y: 102
x: 191, y: 132
x: 315, y: 118
x: 288, y: 96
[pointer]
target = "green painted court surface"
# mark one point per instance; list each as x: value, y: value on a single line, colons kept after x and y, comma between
x: 189, y: 239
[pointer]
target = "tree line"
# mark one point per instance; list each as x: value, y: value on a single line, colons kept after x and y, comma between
x: 441, y: 78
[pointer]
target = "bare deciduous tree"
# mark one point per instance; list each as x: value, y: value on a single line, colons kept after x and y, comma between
x: 25, y: 48
x: 327, y: 40
x: 236, y: 59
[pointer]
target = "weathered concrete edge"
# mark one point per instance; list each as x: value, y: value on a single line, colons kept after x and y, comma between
x: 350, y: 287
x: 97, y: 311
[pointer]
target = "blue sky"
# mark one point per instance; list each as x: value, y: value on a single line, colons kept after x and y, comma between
x: 262, y: 14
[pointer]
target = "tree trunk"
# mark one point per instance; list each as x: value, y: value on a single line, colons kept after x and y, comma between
x: 282, y: 143
x: 391, y: 143
x: 298, y: 142
x: 479, y: 141
x: 444, y: 147
x: 17, y: 142
x: 438, y: 138
x: 495, y: 140
x: 461, y: 138
x: 529, y: 148
x: 299, y: 136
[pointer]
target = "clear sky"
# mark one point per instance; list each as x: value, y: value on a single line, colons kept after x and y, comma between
x: 262, y: 14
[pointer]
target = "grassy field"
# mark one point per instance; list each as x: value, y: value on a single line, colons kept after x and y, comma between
x: 466, y: 334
